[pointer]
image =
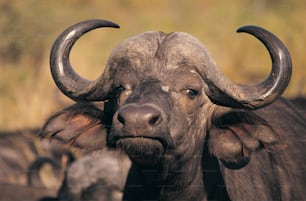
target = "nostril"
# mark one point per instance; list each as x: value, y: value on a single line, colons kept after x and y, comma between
x: 154, y: 120
x: 121, y: 119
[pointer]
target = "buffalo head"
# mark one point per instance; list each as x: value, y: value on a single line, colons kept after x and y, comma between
x: 166, y: 103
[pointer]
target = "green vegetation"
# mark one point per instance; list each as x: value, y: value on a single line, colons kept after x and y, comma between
x: 28, y: 29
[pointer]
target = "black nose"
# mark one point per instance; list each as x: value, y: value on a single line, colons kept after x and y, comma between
x: 139, y: 119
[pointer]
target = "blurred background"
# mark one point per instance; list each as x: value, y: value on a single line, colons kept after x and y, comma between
x: 29, y: 27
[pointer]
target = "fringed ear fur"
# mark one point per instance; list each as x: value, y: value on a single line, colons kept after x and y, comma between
x: 236, y: 134
x: 79, y: 126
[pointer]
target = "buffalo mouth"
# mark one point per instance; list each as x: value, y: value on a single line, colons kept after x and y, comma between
x: 144, y: 151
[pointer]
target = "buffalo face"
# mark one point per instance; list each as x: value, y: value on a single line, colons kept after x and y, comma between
x: 157, y: 96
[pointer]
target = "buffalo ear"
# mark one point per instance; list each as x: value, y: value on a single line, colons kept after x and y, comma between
x: 79, y: 126
x: 235, y: 135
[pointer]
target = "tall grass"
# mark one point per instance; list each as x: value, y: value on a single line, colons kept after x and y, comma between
x: 29, y: 96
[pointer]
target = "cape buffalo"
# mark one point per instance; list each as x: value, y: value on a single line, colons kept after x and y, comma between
x: 56, y: 171
x: 104, y: 182
x: 21, y: 149
x: 190, y: 132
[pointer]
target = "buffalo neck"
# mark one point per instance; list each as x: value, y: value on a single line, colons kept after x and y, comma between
x: 168, y: 181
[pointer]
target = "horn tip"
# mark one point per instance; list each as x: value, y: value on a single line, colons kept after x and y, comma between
x: 247, y: 28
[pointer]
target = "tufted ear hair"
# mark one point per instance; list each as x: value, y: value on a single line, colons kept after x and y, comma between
x: 80, y: 126
x: 235, y: 135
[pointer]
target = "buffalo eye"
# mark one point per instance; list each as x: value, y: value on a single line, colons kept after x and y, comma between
x: 120, y: 88
x: 123, y: 93
x: 191, y: 93
x: 117, y: 91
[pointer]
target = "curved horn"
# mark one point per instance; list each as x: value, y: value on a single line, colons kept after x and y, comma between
x: 66, y: 79
x: 224, y: 92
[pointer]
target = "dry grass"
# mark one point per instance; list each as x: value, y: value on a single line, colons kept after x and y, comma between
x: 28, y: 97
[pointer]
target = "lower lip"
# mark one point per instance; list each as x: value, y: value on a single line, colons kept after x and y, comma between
x: 145, y: 151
